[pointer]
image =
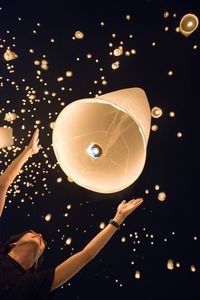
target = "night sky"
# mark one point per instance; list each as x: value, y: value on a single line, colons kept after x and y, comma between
x: 160, y: 240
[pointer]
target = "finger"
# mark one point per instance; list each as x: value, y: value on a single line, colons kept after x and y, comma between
x: 138, y: 203
x: 138, y: 200
x: 36, y: 133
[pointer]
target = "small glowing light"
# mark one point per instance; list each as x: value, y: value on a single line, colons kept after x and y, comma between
x: 69, y: 179
x: 127, y: 53
x: 68, y: 241
x: 36, y: 62
x: 44, y: 65
x: 153, y: 44
x: 154, y: 127
x: 170, y: 264
x: 133, y: 51
x: 60, y: 79
x: 10, y: 117
x: 118, y: 52
x: 190, y: 24
x: 69, y: 206
x: 156, y: 112
x: 195, y: 47
x: 137, y: 274
x: 123, y: 239
x: 94, y: 150
x: 178, y: 264
x: 89, y: 55
x: 104, y: 82
x: 192, y: 268
x: 195, y: 238
x: 48, y: 217
x: 162, y: 196
x: 177, y: 29
x: 52, y: 124
x: 166, y: 28
x: 32, y: 97
x: 128, y: 17
x: 69, y: 73
x: 157, y: 187
x: 115, y: 65
x: 59, y: 179
x: 79, y: 35
x: 102, y: 225
x: 179, y: 134
x: 170, y: 73
x: 172, y: 114
x: 146, y: 191
x: 166, y: 14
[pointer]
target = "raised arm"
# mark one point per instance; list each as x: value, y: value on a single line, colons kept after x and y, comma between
x: 72, y: 265
x: 9, y: 175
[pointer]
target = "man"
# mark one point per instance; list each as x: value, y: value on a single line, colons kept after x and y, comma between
x: 21, y: 254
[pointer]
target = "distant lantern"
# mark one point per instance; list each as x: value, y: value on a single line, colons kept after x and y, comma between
x: 68, y: 241
x: 170, y: 264
x: 69, y: 73
x: 10, y: 55
x: 44, y: 65
x: 188, y: 24
x: 115, y: 65
x: 137, y: 274
x: 79, y: 35
x: 52, y: 125
x: 48, y: 217
x: 161, y: 196
x: 156, y: 112
x: 118, y: 51
x: 6, y: 137
x: 11, y: 116
x: 94, y: 139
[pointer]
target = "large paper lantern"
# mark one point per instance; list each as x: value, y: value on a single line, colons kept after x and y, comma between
x: 188, y: 24
x: 6, y: 137
x: 100, y: 143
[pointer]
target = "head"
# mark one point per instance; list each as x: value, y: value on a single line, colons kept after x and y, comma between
x: 29, y: 241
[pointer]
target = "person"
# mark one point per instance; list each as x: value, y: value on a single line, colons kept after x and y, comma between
x: 20, y: 256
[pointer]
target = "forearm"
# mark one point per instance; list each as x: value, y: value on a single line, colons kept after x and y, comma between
x: 101, y: 239
x: 76, y: 262
x: 9, y: 175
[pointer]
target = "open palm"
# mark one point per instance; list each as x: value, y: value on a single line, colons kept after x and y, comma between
x: 126, y: 208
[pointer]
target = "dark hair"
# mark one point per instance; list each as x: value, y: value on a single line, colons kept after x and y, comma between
x: 5, y: 247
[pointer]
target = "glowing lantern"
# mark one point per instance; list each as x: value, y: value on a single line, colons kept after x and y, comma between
x: 10, y: 55
x: 156, y: 112
x: 170, y: 264
x: 100, y: 143
x: 6, y: 137
x: 9, y: 117
x: 188, y: 24
x: 79, y: 35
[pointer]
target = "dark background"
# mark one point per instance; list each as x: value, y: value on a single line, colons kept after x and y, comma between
x: 166, y: 230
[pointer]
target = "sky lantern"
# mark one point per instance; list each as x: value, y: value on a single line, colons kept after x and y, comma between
x: 100, y: 143
x: 188, y: 24
x: 6, y: 137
